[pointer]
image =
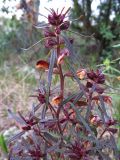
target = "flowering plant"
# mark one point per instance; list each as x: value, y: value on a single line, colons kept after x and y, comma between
x: 64, y: 125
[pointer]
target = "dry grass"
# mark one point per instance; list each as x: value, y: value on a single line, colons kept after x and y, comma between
x: 17, y: 82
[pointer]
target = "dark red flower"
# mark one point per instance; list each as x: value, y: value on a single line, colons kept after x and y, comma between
x: 48, y: 33
x: 99, y: 89
x: 89, y: 84
x: 111, y: 122
x: 106, y: 99
x: 77, y: 151
x: 29, y: 122
x: 97, y: 77
x: 26, y: 128
x: 65, y: 25
x: 50, y: 42
x: 56, y: 18
x: 36, y: 153
x: 41, y: 97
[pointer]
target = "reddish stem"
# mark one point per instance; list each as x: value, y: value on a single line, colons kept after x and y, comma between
x: 60, y: 70
x: 61, y: 90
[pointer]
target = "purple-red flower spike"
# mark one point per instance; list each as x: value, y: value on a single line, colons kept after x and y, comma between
x: 56, y: 18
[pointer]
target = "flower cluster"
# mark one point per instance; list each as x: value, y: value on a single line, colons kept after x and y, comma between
x: 79, y: 151
x: 59, y: 24
x: 96, y: 79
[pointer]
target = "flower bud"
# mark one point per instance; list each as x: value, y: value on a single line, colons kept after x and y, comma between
x: 49, y: 33
x: 65, y: 25
x: 57, y: 30
x: 49, y: 43
x: 55, y: 19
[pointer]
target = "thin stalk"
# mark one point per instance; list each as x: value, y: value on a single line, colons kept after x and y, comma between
x: 60, y: 71
x: 61, y: 92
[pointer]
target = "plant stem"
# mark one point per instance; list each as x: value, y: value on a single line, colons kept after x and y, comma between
x: 61, y: 93
x: 60, y: 70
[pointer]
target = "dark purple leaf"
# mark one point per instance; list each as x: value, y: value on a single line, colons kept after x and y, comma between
x: 52, y: 62
x: 16, y: 137
x: 17, y: 118
x: 50, y: 137
x: 82, y: 120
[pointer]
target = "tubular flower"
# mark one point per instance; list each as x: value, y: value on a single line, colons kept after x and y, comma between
x: 56, y: 100
x: 64, y: 53
x: 81, y: 74
x: 41, y: 64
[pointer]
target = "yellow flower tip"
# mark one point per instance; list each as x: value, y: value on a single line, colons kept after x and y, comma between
x: 56, y: 100
x: 41, y: 64
x: 81, y: 74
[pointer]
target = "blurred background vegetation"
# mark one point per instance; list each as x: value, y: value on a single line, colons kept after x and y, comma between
x: 18, y: 77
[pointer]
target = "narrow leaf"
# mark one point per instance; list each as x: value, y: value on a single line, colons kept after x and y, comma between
x: 103, y: 106
x: 50, y: 137
x: 115, y: 150
x: 69, y: 98
x: 78, y: 97
x: 116, y: 46
x: 50, y: 72
x: 82, y: 120
x: 52, y: 62
x: 16, y: 118
x: 3, y: 144
x: 17, y: 136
